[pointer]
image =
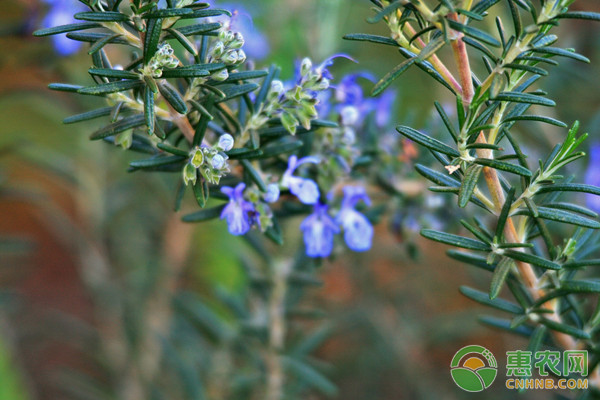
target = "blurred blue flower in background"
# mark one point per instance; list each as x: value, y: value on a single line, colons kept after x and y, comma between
x: 384, y: 106
x: 305, y: 189
x: 61, y: 13
x: 358, y: 231
x: 236, y: 211
x: 319, y: 230
x: 256, y: 44
x: 592, y: 176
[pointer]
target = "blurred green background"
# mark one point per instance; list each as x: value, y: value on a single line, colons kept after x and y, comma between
x: 72, y: 219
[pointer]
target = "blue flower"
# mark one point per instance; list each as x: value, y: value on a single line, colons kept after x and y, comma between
x: 236, y: 211
x: 319, y: 230
x: 61, y: 13
x: 272, y: 193
x: 256, y: 44
x: 348, y: 91
x: 305, y: 189
x: 322, y: 69
x: 358, y: 231
x: 592, y: 176
x: 383, y: 108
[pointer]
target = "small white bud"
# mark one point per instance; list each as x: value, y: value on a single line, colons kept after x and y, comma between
x: 306, y: 66
x: 225, y: 142
x: 218, y: 161
x: 220, y: 75
x: 272, y: 193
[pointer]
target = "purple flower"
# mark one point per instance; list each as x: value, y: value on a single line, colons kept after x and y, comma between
x: 61, y: 13
x: 592, y: 176
x: 256, y: 44
x: 305, y: 189
x: 319, y: 229
x: 236, y: 211
x: 358, y: 231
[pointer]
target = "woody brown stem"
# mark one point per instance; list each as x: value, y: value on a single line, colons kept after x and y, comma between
x: 525, y: 270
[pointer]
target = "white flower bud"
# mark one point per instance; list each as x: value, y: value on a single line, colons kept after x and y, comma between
x: 225, y: 142
x: 306, y: 66
x: 231, y: 57
x: 220, y: 75
x: 218, y: 161
x: 237, y: 41
x: 272, y: 193
x: 276, y: 88
x: 241, y: 56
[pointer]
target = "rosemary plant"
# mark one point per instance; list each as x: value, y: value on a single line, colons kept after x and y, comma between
x: 518, y: 201
x: 252, y: 150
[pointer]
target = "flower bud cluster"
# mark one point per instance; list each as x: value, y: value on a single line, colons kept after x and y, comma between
x: 163, y: 58
x: 210, y: 162
x: 228, y: 50
x: 295, y: 106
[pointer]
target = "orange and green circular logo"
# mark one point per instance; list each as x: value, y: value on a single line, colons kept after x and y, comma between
x: 473, y: 368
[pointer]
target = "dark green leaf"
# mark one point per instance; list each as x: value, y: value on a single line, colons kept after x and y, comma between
x: 564, y: 328
x: 152, y: 38
x: 539, y: 118
x: 237, y: 90
x: 113, y: 73
x: 172, y: 96
x: 455, y: 240
x: 474, y: 33
x: 119, y: 126
x: 149, y: 109
x: 365, y: 37
x: 531, y: 259
x: 499, y: 277
x: 427, y: 141
x: 254, y: 175
x: 66, y: 28
x: 504, y: 166
x: 468, y: 185
x: 156, y: 161
x: 484, y: 298
x: 184, y: 41
x: 567, y: 217
x: 64, y: 87
x: 111, y: 87
x: 100, y: 112
x: 104, y: 16
x: 391, y: 76
x: 588, y: 15
x: 526, y: 98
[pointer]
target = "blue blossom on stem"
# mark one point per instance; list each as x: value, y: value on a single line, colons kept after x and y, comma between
x: 358, y: 231
x: 236, y: 211
x: 592, y: 176
x: 322, y: 69
x: 319, y: 230
x: 305, y: 189
x: 272, y: 193
x: 61, y: 13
